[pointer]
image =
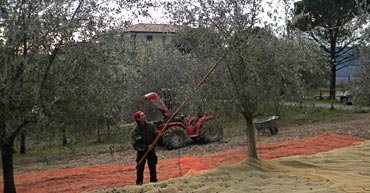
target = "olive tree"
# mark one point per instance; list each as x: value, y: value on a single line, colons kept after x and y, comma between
x: 35, y: 38
x: 89, y: 81
x: 263, y: 71
x: 169, y: 72
x: 361, y: 81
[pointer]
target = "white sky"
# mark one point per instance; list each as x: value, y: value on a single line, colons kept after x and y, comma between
x: 157, y: 14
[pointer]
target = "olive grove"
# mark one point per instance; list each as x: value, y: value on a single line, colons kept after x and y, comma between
x: 68, y: 72
x: 56, y: 72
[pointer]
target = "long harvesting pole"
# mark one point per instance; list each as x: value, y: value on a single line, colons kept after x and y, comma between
x: 196, y: 88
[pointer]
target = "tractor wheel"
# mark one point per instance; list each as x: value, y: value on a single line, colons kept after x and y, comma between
x: 210, y: 131
x: 174, y: 137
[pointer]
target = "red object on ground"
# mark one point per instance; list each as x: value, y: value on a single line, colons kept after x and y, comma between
x: 75, y: 180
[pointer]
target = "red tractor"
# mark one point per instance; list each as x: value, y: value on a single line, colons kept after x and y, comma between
x: 200, y: 128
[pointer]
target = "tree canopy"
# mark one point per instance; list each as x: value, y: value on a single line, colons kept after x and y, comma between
x: 43, y: 68
x: 260, y: 70
x: 333, y: 25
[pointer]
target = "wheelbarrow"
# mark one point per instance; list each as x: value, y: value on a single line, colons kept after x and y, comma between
x: 266, y: 125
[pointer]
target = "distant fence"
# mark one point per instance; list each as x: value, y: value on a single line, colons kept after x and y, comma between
x: 325, y: 93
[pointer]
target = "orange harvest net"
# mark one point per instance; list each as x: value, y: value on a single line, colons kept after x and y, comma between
x: 73, y: 180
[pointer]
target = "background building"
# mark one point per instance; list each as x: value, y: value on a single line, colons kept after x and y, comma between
x: 150, y: 35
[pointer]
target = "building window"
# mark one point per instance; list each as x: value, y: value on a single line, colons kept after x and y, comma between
x: 149, y: 38
x: 133, y: 40
x: 164, y: 41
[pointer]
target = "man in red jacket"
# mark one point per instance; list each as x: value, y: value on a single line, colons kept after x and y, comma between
x: 143, y: 136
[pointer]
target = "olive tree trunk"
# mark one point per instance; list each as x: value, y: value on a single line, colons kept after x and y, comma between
x: 7, y: 162
x: 6, y: 146
x: 251, y: 136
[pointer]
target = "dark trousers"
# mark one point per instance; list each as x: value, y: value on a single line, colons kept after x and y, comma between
x: 152, y: 162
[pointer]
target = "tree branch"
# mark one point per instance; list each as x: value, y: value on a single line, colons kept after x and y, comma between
x: 19, y: 128
x: 55, y: 51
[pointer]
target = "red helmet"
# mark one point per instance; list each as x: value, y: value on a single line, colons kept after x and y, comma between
x: 137, y: 114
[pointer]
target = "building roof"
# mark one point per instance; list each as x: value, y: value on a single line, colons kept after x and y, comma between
x: 156, y: 28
